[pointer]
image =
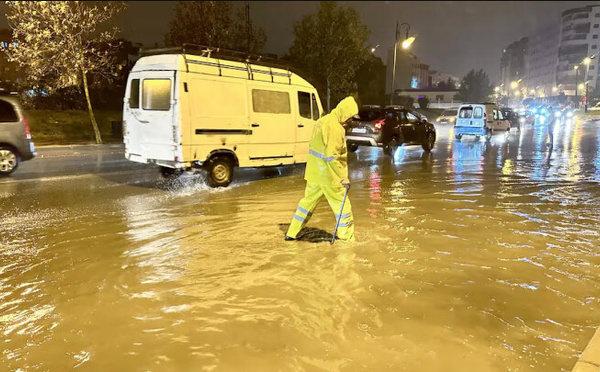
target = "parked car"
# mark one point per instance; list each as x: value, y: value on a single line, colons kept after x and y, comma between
x: 596, y: 107
x: 389, y: 128
x: 512, y: 117
x: 15, y: 137
x: 448, y: 116
x: 480, y: 119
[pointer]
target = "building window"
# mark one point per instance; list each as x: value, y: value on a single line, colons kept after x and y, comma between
x: 596, y: 25
x: 439, y: 97
x: 594, y: 46
x: 270, y: 101
x: 595, y: 37
x: 597, y: 15
x: 592, y: 67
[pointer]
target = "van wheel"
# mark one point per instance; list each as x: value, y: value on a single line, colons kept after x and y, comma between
x: 429, y: 142
x: 220, y: 171
x: 352, y: 147
x: 9, y: 160
x: 169, y: 173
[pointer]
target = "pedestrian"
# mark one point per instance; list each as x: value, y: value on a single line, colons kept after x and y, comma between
x: 551, y: 122
x: 326, y: 171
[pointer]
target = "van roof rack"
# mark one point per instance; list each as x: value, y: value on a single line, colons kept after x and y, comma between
x: 266, y: 59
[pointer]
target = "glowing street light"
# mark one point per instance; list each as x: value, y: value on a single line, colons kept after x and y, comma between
x: 497, y: 89
x: 581, y: 86
x: 406, y: 43
x: 587, y: 61
x: 514, y: 84
x: 554, y: 89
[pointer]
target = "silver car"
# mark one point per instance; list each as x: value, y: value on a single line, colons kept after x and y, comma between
x: 15, y: 137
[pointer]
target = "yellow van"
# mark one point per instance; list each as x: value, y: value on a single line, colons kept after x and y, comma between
x: 190, y: 110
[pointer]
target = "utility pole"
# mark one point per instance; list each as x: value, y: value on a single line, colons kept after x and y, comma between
x: 398, y: 27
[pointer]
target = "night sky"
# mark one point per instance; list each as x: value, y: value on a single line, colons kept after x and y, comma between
x: 451, y: 36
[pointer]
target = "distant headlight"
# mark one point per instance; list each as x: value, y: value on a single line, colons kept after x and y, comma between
x: 570, y: 114
x: 558, y: 114
x: 521, y: 120
x: 534, y: 111
x: 452, y: 119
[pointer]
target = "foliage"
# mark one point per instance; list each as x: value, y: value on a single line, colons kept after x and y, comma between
x: 330, y: 47
x: 60, y: 43
x: 370, y: 79
x: 475, y: 87
x: 211, y: 23
x: 423, y: 102
x: 406, y: 101
x: 446, y: 85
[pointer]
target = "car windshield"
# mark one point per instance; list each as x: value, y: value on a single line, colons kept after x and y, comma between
x: 370, y: 115
x: 449, y: 112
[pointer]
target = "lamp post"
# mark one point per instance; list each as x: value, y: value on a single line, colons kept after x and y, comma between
x: 405, y: 45
x: 576, y: 67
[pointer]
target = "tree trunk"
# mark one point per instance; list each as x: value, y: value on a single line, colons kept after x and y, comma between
x: 91, y: 111
x: 328, y: 97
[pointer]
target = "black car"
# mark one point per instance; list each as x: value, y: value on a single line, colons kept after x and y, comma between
x: 513, y: 117
x: 389, y: 127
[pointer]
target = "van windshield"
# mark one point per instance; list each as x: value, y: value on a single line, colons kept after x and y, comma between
x: 465, y: 112
x: 370, y: 115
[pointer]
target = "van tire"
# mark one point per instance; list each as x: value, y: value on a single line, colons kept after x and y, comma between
x: 170, y: 173
x: 352, y: 147
x: 219, y: 170
x: 9, y: 160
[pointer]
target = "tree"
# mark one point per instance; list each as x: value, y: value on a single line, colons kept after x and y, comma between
x: 447, y: 85
x: 330, y: 46
x: 57, y: 43
x: 406, y: 101
x: 211, y: 23
x: 475, y: 87
x: 370, y: 79
x: 423, y: 102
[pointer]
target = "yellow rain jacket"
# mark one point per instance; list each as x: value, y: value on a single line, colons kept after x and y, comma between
x: 328, y: 156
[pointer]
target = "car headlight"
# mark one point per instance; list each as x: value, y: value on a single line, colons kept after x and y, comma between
x: 452, y: 120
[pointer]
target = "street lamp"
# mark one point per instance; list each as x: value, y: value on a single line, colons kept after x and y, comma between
x: 374, y: 48
x: 405, y: 45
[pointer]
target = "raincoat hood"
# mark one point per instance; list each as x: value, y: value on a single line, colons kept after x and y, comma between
x: 346, y: 109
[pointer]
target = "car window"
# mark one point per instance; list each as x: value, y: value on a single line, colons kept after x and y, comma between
x: 390, y: 115
x: 304, y: 104
x: 315, y: 108
x: 449, y: 113
x: 495, y: 114
x: 411, y: 117
x: 401, y: 116
x: 7, y: 112
x: 156, y: 94
x: 465, y: 112
x: 478, y: 113
x: 370, y: 115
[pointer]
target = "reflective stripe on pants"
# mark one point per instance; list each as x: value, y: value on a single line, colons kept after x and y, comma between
x: 312, y: 197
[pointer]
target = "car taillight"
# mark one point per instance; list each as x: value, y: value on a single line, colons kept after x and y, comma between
x: 26, y: 126
x: 379, y: 124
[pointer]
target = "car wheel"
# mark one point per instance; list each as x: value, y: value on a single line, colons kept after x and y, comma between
x: 220, y: 171
x: 390, y: 147
x: 352, y: 147
x: 429, y: 142
x: 9, y: 160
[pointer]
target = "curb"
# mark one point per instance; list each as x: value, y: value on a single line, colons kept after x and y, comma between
x: 590, y: 358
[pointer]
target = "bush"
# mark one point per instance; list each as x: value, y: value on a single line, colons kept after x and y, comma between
x: 423, y: 102
x: 70, y: 126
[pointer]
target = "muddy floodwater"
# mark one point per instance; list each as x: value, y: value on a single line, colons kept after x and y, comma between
x: 476, y: 257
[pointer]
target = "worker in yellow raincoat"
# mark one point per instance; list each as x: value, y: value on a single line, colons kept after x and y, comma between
x: 327, y: 171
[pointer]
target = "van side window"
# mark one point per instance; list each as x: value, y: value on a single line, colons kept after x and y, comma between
x: 304, y: 104
x: 315, y: 108
x: 270, y: 101
x: 465, y: 112
x: 134, y: 93
x: 495, y: 114
x: 7, y: 113
x: 156, y: 94
x: 477, y: 113
x: 500, y: 115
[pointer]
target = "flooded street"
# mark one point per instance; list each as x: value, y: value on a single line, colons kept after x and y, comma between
x: 476, y: 257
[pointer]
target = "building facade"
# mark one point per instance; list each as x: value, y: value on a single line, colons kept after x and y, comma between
x: 512, y: 64
x: 437, y: 77
x: 438, y: 98
x: 579, y: 38
x: 541, y: 61
x: 411, y: 73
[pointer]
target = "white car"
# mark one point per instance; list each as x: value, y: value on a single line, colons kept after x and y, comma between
x: 448, y: 116
x: 595, y: 108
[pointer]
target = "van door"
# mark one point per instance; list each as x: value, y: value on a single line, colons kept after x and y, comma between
x: 272, y: 123
x: 308, y: 112
x: 479, y: 117
x: 151, y: 115
x: 502, y: 121
x: 465, y: 117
